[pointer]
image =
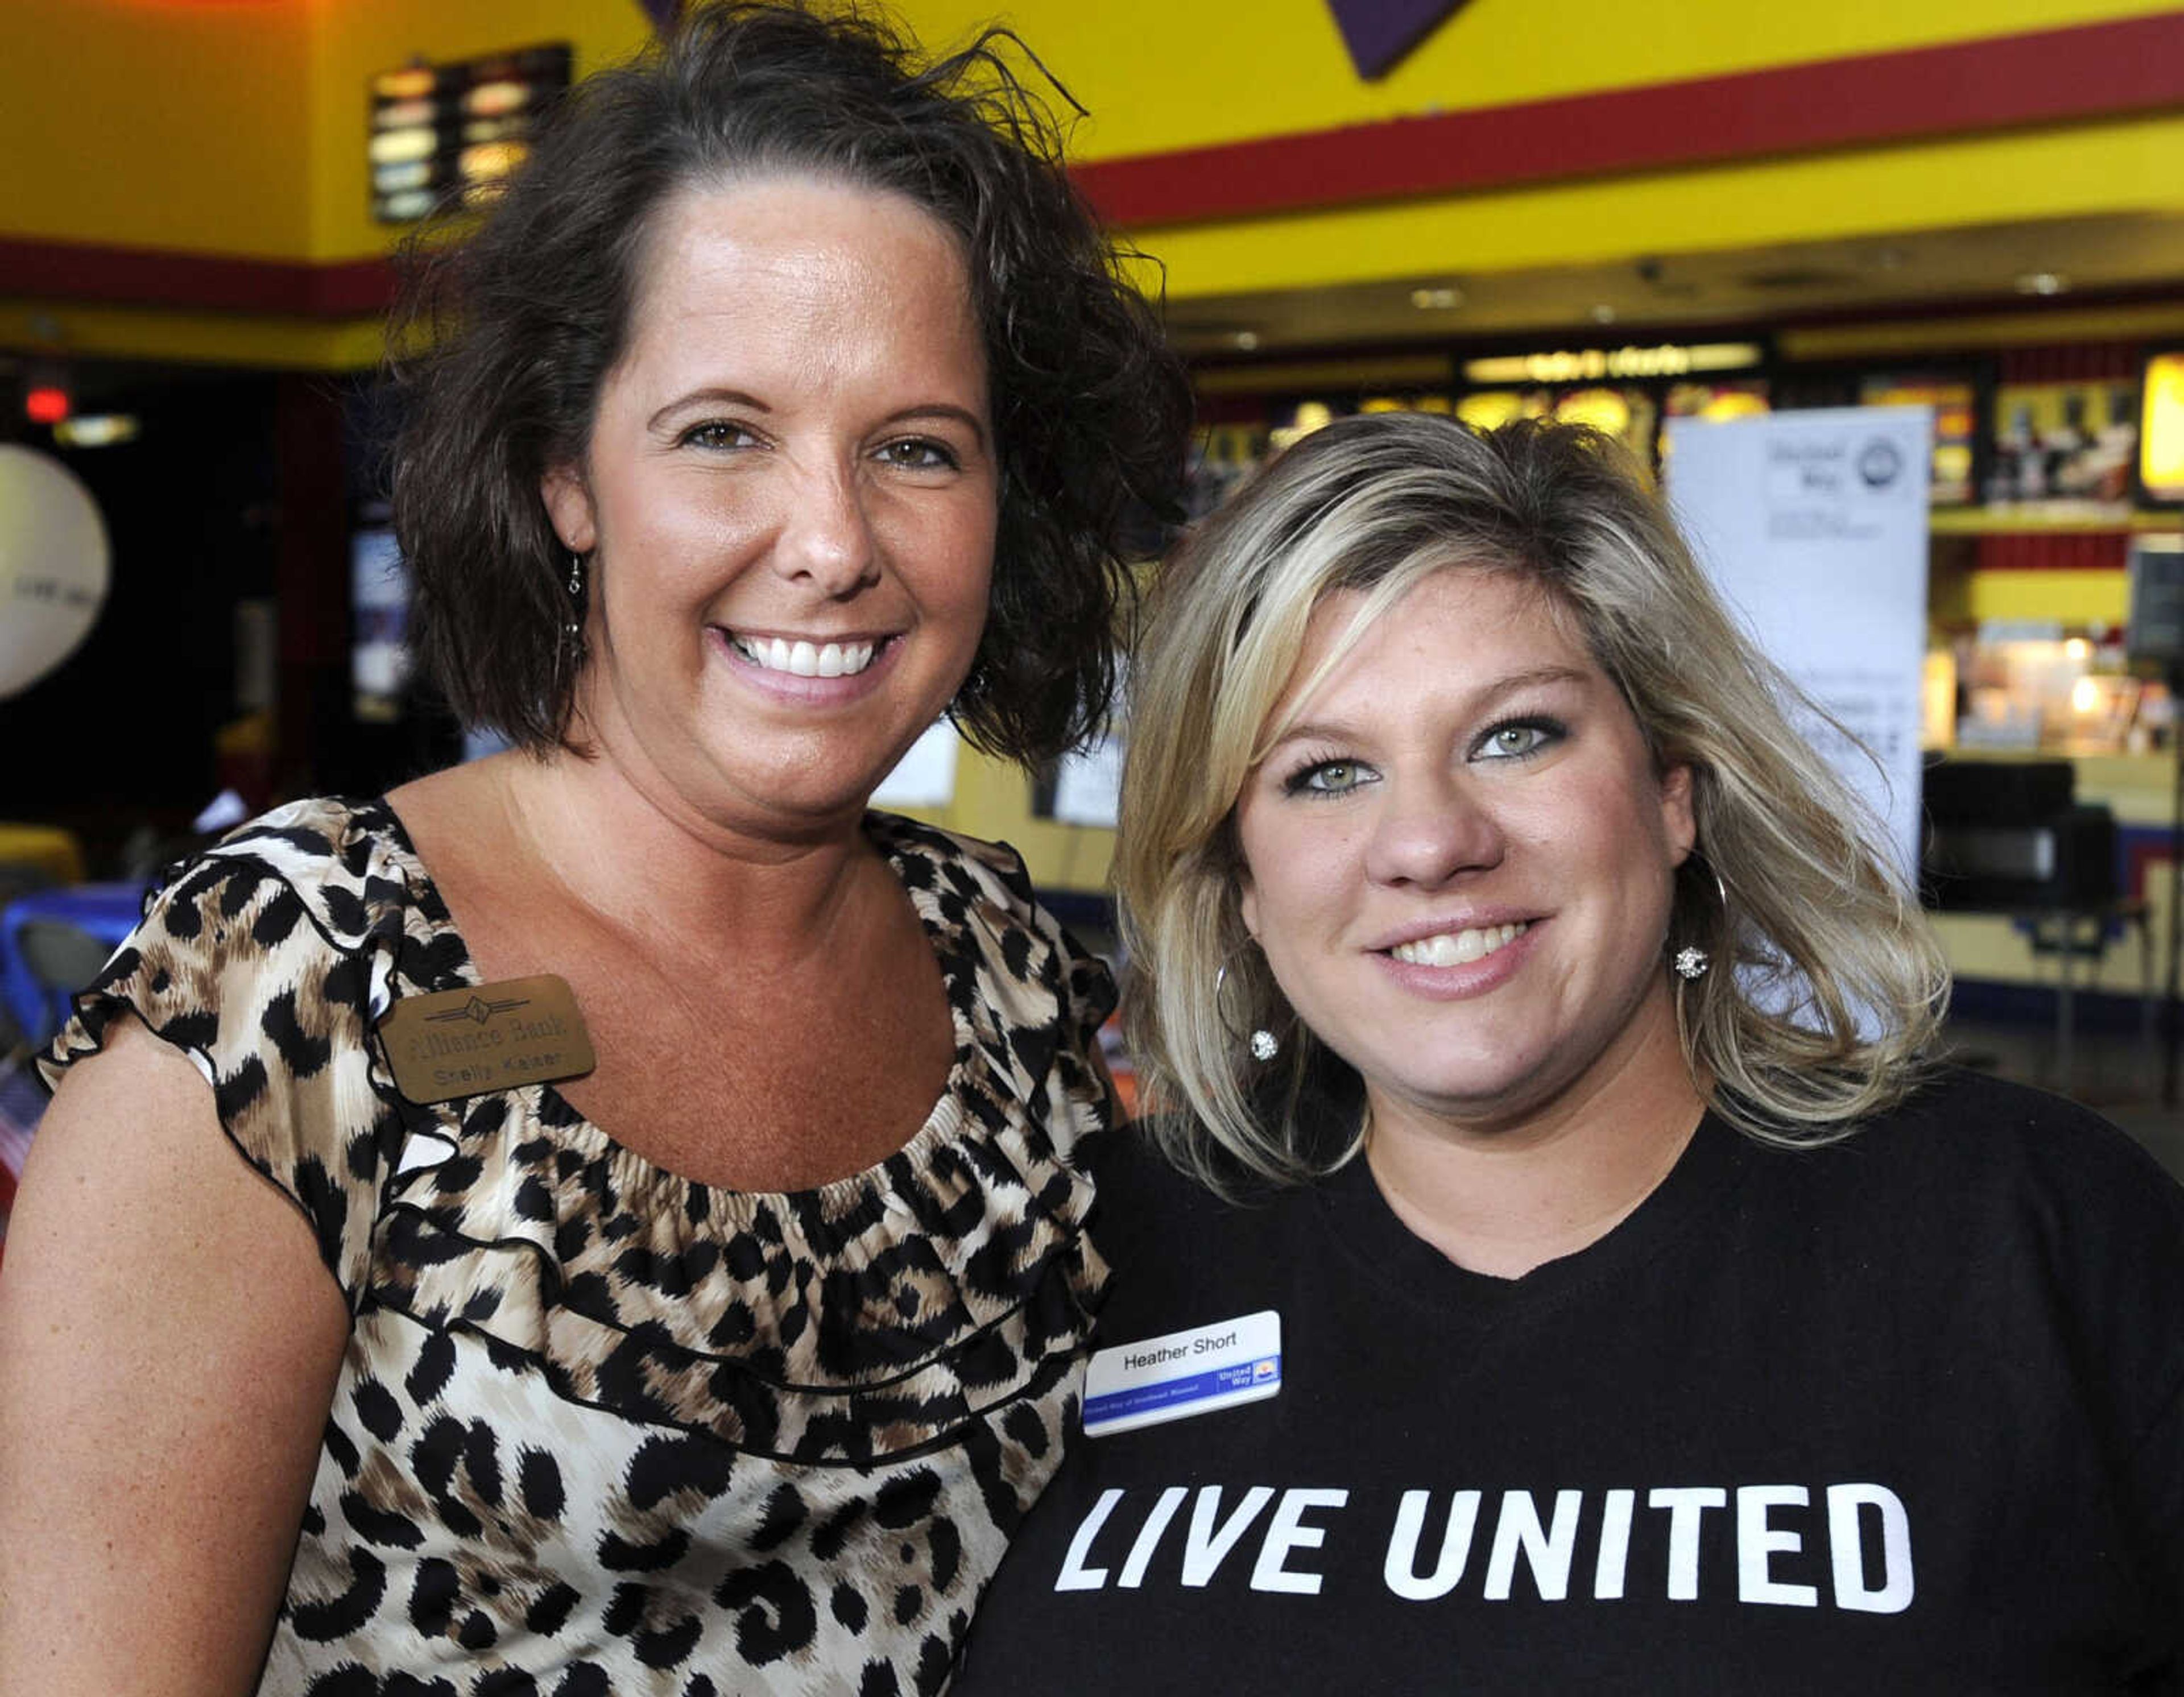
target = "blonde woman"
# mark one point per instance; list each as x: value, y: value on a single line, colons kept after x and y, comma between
x: 1575, y: 1279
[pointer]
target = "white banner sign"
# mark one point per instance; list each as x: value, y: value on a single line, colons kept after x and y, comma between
x: 1812, y: 526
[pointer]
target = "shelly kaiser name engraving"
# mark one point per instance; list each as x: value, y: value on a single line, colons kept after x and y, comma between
x: 496, y: 1037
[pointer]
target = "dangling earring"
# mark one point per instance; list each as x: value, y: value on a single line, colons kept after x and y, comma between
x: 1263, y: 1044
x: 574, y: 628
x: 1691, y: 962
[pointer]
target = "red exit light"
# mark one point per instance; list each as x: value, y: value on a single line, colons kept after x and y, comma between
x: 46, y: 404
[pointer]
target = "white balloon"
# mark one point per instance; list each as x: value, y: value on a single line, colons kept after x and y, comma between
x: 53, y: 565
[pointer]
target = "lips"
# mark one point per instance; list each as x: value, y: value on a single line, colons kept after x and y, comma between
x: 799, y: 657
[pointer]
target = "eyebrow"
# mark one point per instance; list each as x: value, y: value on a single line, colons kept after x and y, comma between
x: 738, y: 398
x: 734, y: 398
x: 942, y: 410
x: 1482, y: 700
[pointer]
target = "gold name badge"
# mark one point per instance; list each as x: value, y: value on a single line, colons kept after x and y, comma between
x: 497, y: 1037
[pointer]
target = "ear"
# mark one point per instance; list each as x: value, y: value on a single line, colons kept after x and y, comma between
x: 569, y: 506
x: 1678, y: 822
x: 1247, y: 904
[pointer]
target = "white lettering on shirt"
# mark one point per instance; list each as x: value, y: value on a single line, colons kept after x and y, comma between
x: 1770, y: 1550
x: 1205, y: 1547
x: 1607, y: 1571
x: 1400, y: 1570
x: 1141, y: 1552
x: 1075, y: 1575
x: 1757, y: 1542
x: 1548, y: 1553
x: 1846, y: 1543
x: 1287, y: 1532
x: 1685, y: 1504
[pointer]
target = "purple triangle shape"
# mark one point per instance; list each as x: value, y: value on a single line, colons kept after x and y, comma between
x: 663, y: 12
x: 1379, y: 32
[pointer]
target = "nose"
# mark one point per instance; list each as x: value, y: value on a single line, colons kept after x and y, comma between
x: 826, y: 539
x: 1430, y: 831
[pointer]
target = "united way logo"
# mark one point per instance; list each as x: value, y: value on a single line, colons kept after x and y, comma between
x: 1879, y: 463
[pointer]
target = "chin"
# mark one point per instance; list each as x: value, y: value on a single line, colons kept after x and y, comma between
x: 1474, y: 1088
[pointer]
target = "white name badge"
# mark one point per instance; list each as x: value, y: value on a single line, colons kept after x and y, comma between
x: 1183, y: 1373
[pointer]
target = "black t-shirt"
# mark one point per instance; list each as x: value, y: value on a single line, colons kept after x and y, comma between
x: 1901, y: 1414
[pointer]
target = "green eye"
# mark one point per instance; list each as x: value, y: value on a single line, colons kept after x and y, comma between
x: 1332, y: 778
x: 1329, y: 780
x: 1519, y: 739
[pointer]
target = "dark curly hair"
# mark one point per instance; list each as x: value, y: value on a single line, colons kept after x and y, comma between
x: 505, y: 336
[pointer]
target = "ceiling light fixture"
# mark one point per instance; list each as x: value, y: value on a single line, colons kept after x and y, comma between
x: 96, y: 430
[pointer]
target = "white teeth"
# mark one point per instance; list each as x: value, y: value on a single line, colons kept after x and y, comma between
x: 807, y: 660
x: 1456, y: 948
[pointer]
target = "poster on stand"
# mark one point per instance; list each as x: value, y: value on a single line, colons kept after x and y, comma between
x: 1812, y: 526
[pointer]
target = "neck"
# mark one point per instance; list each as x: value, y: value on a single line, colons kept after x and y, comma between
x: 660, y: 872
x: 1504, y: 1197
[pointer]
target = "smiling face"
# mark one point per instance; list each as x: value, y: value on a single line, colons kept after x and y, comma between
x: 789, y: 500
x: 1460, y: 857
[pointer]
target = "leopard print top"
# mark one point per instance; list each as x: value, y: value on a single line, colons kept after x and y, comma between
x: 601, y: 1428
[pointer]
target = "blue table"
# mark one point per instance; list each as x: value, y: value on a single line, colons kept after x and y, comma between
x: 102, y: 915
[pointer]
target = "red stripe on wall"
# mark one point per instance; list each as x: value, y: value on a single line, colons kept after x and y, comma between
x: 2093, y: 70
x: 2056, y: 551
x: 2081, y: 362
x: 83, y: 271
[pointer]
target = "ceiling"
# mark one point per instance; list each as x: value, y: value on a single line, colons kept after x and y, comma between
x: 2054, y: 260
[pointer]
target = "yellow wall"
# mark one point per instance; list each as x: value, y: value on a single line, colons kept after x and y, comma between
x: 2075, y: 599
x: 2129, y: 165
x: 992, y: 800
x: 1158, y: 75
x: 156, y: 124
x: 263, y: 341
x: 236, y: 126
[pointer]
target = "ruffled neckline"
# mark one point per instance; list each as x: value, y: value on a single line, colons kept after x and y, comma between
x: 863, y: 1316
x: 453, y: 968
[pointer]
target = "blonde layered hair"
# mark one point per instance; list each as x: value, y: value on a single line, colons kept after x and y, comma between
x: 1840, y: 984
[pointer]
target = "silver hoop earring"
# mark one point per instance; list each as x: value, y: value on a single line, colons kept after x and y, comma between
x: 1263, y: 1044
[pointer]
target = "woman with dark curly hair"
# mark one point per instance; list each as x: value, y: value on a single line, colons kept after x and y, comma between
x: 656, y: 1261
